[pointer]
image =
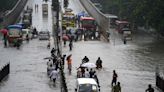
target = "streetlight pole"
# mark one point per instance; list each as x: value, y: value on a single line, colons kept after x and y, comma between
x: 55, y: 4
x: 120, y: 10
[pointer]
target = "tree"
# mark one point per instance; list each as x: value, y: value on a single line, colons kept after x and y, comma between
x: 148, y: 13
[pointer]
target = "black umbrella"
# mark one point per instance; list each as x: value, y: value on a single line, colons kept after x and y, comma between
x: 48, y: 58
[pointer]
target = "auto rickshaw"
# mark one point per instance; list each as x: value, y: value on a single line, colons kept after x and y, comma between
x: 14, y: 35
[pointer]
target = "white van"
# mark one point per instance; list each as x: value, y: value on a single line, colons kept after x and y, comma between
x: 25, y: 32
x: 86, y: 85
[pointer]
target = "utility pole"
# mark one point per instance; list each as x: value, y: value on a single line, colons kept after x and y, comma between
x: 120, y: 9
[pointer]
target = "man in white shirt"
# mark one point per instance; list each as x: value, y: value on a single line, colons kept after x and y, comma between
x: 87, y: 75
x: 54, y: 75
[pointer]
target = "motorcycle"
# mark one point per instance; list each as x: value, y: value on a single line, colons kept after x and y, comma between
x: 99, y: 66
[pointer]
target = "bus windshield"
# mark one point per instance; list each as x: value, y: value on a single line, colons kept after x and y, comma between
x: 88, y: 22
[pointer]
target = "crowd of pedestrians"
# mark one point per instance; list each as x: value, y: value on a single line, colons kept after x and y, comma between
x: 53, y: 66
x: 73, y: 35
x: 82, y: 72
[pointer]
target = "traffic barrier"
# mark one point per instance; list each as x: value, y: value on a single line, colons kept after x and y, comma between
x: 101, y: 19
x: 13, y: 15
x: 62, y: 74
x: 160, y: 82
x: 159, y: 79
x: 4, y: 71
x: 63, y: 80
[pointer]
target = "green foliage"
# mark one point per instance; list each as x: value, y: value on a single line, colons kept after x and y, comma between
x: 147, y: 13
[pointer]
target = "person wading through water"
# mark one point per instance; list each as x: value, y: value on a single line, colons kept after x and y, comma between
x: 114, y: 80
x: 69, y: 63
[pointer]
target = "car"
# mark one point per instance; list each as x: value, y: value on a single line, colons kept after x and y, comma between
x: 25, y: 32
x: 44, y: 35
x: 86, y: 85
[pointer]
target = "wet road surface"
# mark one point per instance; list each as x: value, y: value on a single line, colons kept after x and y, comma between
x: 134, y: 62
x: 28, y: 68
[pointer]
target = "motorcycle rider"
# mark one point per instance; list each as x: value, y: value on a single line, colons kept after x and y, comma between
x: 99, y: 63
x: 85, y: 60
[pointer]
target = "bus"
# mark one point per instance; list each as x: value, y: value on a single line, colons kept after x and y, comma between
x: 68, y: 19
x: 88, y: 23
x: 122, y: 24
x: 124, y: 28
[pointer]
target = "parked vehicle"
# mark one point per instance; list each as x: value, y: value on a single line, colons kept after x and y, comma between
x: 44, y: 35
x: 86, y: 85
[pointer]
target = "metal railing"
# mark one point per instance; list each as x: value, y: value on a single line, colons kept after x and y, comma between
x: 5, y: 70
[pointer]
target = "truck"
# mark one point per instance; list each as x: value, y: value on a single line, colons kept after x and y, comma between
x: 27, y: 18
x: 45, y: 9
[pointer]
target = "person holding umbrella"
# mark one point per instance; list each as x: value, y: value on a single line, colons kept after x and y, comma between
x: 65, y: 38
x: 69, y: 63
x: 5, y: 34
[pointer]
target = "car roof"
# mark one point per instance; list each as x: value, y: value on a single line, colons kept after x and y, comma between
x: 25, y: 29
x: 86, y: 81
x: 111, y: 16
x: 87, y: 18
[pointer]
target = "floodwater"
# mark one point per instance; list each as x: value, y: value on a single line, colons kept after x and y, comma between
x: 134, y: 62
x: 28, y: 72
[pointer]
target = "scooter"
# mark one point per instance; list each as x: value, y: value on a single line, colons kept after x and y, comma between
x: 98, y: 66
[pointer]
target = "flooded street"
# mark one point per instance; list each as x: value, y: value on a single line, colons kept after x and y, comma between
x: 28, y: 68
x: 134, y: 62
